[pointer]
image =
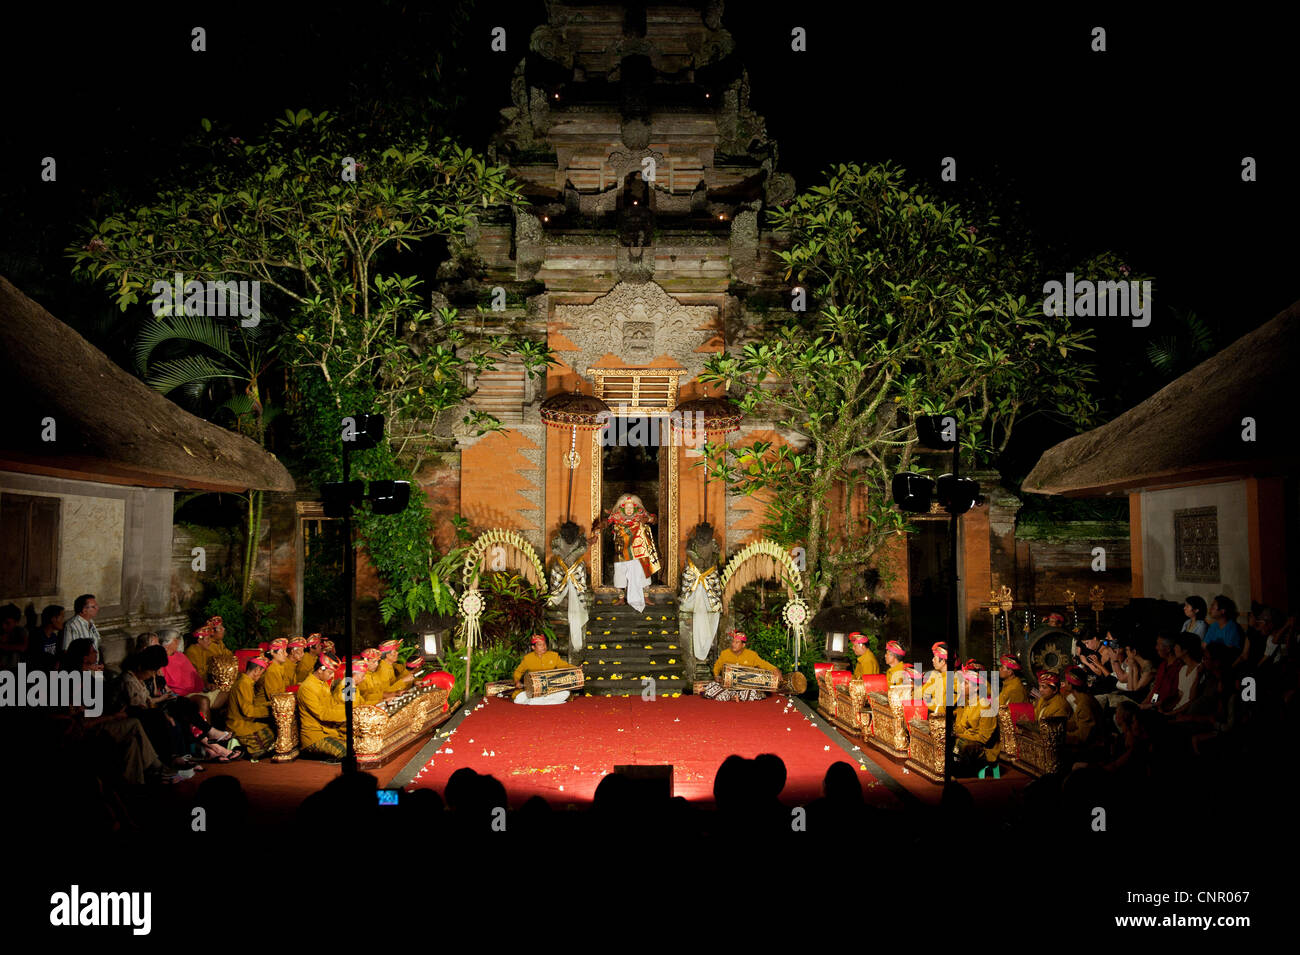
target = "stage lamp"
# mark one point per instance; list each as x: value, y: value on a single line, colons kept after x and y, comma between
x: 389, y: 497
x: 937, y: 432
x: 835, y: 643
x: 338, y: 496
x: 366, y: 432
x: 957, y: 495
x: 433, y: 643
x: 912, y: 492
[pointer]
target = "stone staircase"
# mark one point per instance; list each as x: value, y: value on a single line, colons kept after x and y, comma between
x: 622, y: 646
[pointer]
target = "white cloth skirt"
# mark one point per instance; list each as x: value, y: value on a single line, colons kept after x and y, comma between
x: 630, y: 574
x: 550, y: 698
x: 704, y: 622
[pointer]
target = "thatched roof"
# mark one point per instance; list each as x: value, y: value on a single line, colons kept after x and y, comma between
x: 111, y: 427
x: 1191, y: 430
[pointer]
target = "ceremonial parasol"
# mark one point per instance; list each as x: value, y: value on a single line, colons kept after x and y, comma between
x: 574, y: 412
x: 699, y: 419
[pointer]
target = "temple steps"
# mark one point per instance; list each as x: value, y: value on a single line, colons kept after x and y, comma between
x: 621, y: 645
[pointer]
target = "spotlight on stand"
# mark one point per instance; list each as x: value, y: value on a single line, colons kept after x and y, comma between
x: 366, y: 431
x: 912, y: 492
x: 936, y: 432
x: 338, y: 496
x: 389, y: 497
x: 957, y: 495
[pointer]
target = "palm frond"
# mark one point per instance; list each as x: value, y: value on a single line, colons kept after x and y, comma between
x: 192, y: 329
x: 191, y: 370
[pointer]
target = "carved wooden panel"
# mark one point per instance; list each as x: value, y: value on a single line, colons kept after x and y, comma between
x: 1196, y: 544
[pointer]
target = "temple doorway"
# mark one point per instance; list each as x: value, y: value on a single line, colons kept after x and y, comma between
x: 631, y: 464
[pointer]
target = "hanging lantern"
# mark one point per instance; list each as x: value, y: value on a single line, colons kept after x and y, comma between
x: 573, y: 411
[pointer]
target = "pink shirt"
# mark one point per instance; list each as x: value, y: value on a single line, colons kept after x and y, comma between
x: 182, y: 679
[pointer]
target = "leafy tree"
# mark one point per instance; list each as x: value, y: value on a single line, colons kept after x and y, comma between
x: 338, y: 230
x: 914, y: 308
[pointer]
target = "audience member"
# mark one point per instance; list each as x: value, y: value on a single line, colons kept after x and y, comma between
x: 1194, y: 610
x: 1223, y: 626
x: 82, y: 625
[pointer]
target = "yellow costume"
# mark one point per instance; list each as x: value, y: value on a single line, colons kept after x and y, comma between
x: 550, y: 660
x: 279, y: 677
x: 368, y: 691
x: 745, y: 658
x: 320, y: 712
x: 200, y: 656
x: 246, y: 711
x: 1081, y: 727
x: 895, y: 674
x: 1013, y: 691
x: 305, y: 668
x: 970, y: 723
x: 1053, y: 706
x: 867, y: 665
x: 934, y: 691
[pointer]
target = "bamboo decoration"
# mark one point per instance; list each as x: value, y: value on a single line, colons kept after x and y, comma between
x: 1002, y: 601
x: 760, y: 560
x: 1072, y: 606
x: 525, y: 558
x: 994, y: 608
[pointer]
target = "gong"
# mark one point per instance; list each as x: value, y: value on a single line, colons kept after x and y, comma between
x: 1048, y: 648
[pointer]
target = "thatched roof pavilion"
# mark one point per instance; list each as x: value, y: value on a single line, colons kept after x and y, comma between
x: 1192, y: 429
x: 111, y: 427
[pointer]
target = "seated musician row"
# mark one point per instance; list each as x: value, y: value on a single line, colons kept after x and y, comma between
x: 319, y: 697
x: 901, y: 713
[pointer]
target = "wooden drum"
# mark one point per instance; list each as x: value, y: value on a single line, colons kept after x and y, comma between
x: 545, y: 682
x: 750, y: 678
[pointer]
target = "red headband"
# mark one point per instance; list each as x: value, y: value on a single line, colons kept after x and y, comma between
x: 1074, y: 676
x: 415, y: 663
x: 737, y: 635
x: 370, y: 653
x: 327, y: 662
x: 313, y: 640
x: 388, y: 646
x: 971, y: 664
x: 257, y: 661
x: 360, y: 666
x: 1010, y: 662
x: 537, y: 638
x: 297, y: 642
x: 279, y: 643
x: 940, y: 650
x: 1049, y: 678
x: 896, y: 648
x: 858, y: 638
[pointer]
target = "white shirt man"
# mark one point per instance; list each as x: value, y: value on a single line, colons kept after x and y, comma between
x: 82, y: 625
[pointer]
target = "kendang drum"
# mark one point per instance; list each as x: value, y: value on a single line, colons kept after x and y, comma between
x: 736, y: 677
x: 545, y: 682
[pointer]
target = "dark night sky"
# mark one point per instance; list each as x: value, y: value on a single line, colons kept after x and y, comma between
x: 1136, y: 150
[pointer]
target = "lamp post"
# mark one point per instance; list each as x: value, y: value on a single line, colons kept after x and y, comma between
x: 358, y: 433
x: 956, y: 495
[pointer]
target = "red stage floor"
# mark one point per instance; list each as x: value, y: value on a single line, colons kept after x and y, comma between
x: 561, y: 752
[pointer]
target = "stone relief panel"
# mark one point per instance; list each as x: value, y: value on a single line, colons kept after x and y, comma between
x: 638, y: 322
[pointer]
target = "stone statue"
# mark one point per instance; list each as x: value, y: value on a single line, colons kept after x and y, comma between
x: 701, y: 589
x: 569, y: 578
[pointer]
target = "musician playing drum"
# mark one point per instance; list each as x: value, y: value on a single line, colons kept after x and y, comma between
x: 738, y: 655
x: 540, y: 658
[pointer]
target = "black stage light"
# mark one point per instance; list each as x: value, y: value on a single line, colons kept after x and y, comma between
x: 389, y: 497
x: 337, y: 496
x: 957, y: 495
x: 367, y: 431
x: 937, y: 432
x: 912, y: 492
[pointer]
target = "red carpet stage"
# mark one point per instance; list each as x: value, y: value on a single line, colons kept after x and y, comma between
x: 561, y: 752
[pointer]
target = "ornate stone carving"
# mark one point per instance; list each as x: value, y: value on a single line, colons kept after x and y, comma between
x: 638, y: 322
